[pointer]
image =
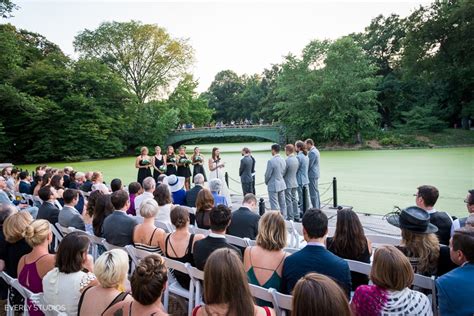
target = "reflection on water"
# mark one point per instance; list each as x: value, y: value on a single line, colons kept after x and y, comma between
x: 371, y: 181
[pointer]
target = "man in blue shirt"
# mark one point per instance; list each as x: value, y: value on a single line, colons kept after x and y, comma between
x: 455, y: 288
x: 315, y: 257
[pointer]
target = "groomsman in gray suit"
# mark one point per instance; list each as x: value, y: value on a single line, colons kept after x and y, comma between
x: 274, y: 180
x: 313, y: 173
x: 291, y: 182
x: 302, y: 174
x: 245, y: 171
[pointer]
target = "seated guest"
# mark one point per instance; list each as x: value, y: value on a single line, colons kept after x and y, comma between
x: 24, y: 186
x: 220, y: 220
x: 68, y: 173
x: 390, y: 294
x: 315, y: 257
x: 264, y: 262
x: 179, y: 244
x: 39, y: 185
x: 461, y: 222
x: 426, y: 198
x: 115, y: 185
x: 63, y: 285
x: 57, y: 182
x: 176, y: 187
x: 308, y: 294
x: 204, y: 205
x: 149, y: 186
x: 163, y: 197
x: 161, y: 179
x: 134, y: 191
x: 111, y: 270
x: 34, y: 266
x: 5, y: 211
x: 215, y: 185
x: 419, y: 242
x: 349, y: 242
x: 148, y: 283
x: 118, y: 227
x: 87, y: 185
x: 455, y: 289
x: 49, y: 209
x: 191, y: 195
x: 98, y: 182
x: 146, y: 235
x: 4, y: 199
x: 14, y: 246
x: 103, y: 208
x: 69, y: 216
x: 226, y: 290
x: 244, y: 223
x: 77, y: 181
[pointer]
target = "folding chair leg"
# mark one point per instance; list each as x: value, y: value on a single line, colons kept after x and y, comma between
x: 166, y: 299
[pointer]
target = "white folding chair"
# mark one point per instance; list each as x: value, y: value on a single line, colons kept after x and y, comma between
x: 360, y: 267
x: 197, y: 277
x: 139, y: 219
x: 8, y: 280
x: 173, y: 285
x: 261, y: 293
x: 64, y: 230
x: 237, y: 241
x: 167, y: 227
x: 281, y: 302
x: 290, y: 250
x: 202, y: 231
x: 136, y: 254
x: 57, y: 236
x: 293, y: 234
x: 109, y: 246
x: 378, y: 240
x: 331, y: 231
x: 252, y: 242
x: 95, y: 242
x: 428, y: 283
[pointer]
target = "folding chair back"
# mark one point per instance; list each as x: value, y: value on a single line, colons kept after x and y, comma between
x: 174, y: 287
x: 64, y: 230
x: 378, y: 240
x: 237, y: 241
x: 261, y: 293
x: 95, y: 242
x: 290, y: 250
x: 167, y: 227
x: 57, y: 236
x: 428, y: 283
x: 197, y: 277
x: 281, y: 302
x: 203, y: 231
x: 360, y: 267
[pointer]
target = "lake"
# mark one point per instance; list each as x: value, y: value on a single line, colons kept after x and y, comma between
x: 371, y: 181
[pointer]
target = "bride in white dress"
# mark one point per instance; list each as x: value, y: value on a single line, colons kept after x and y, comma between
x: 217, y: 171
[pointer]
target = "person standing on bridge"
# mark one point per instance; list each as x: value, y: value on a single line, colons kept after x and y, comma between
x: 170, y: 159
x: 291, y: 192
x: 217, y: 169
x: 313, y: 173
x: 245, y: 171
x: 274, y: 180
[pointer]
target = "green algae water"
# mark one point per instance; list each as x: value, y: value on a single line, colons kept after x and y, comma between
x: 372, y: 181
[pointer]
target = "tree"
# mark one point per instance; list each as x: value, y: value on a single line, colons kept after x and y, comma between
x: 6, y: 8
x: 145, y: 56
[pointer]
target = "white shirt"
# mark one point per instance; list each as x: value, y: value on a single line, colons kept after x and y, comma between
x: 214, y: 235
x: 163, y: 214
x: 140, y: 199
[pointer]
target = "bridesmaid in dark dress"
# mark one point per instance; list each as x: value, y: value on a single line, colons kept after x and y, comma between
x: 158, y: 161
x: 198, y: 161
x: 143, y: 164
x: 183, y: 167
x: 170, y: 159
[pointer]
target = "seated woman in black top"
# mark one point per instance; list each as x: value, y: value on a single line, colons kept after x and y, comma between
x: 349, y: 242
x: 179, y: 244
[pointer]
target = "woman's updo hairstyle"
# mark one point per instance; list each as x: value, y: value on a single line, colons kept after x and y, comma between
x: 179, y: 216
x: 149, y: 279
x: 37, y: 232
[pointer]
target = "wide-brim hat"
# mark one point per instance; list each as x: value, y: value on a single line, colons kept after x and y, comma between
x: 414, y: 219
x: 174, y: 183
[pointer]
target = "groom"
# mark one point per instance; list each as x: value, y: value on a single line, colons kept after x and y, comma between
x: 274, y: 180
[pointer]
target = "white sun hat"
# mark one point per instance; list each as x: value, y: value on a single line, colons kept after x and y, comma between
x: 174, y: 183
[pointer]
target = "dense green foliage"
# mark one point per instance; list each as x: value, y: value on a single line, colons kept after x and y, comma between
x: 6, y: 8
x: 408, y: 73
x: 55, y: 108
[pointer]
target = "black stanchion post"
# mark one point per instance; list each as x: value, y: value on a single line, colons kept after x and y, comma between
x: 226, y: 178
x: 305, y: 199
x: 261, y: 206
x: 334, y: 192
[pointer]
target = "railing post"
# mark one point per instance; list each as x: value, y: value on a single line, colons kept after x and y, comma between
x: 334, y: 192
x: 261, y: 207
x: 226, y: 176
x: 305, y: 198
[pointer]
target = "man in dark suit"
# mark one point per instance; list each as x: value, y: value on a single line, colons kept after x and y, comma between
x: 48, y: 210
x: 455, y: 289
x: 69, y: 216
x: 220, y: 216
x: 24, y: 186
x: 315, y: 257
x: 245, y: 171
x: 87, y: 185
x: 118, y: 227
x: 244, y: 223
x: 191, y: 195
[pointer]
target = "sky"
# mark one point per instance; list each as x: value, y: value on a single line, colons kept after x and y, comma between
x: 244, y: 36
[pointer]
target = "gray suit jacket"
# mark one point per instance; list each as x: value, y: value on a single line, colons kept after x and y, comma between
x: 292, y: 165
x: 313, y: 169
x: 245, y: 170
x: 274, y: 174
x: 302, y: 173
x: 70, y: 217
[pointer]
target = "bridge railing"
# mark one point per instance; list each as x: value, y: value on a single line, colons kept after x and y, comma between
x: 222, y: 127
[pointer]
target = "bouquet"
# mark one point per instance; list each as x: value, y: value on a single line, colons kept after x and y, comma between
x: 171, y: 159
x: 162, y: 168
x: 145, y: 161
x: 185, y: 161
x: 198, y: 158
